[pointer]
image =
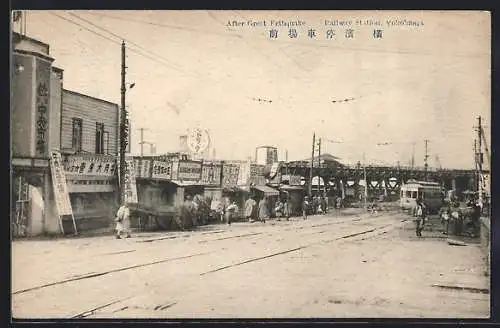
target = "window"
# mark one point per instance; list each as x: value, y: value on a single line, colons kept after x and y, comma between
x: 76, y: 141
x: 99, y: 138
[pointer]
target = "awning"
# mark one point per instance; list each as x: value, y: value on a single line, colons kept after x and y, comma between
x: 287, y: 187
x: 267, y: 190
x: 185, y: 183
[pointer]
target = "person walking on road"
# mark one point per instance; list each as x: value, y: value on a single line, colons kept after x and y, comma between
x: 263, y: 210
x: 249, y: 209
x: 231, y: 211
x: 123, y: 221
x: 323, y: 205
x: 279, y: 209
x: 421, y: 215
x: 305, y: 207
x: 288, y: 208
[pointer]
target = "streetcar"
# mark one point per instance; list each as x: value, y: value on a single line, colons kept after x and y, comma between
x: 430, y: 192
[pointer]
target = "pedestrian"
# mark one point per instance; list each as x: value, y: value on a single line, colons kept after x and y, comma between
x: 250, y: 205
x: 445, y: 215
x: 315, y: 204
x: 231, y: 211
x: 326, y: 204
x: 288, y: 207
x: 279, y: 209
x: 305, y: 207
x: 187, y: 212
x: 421, y: 215
x: 263, y: 210
x: 323, y: 204
x: 123, y: 221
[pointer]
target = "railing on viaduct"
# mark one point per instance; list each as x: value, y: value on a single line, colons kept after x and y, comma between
x: 393, y: 177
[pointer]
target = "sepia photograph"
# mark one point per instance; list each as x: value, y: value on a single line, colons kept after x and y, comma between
x: 250, y: 164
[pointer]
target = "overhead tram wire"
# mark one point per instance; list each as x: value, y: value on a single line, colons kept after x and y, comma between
x: 173, y: 66
x: 111, y: 40
x: 279, y: 49
x: 175, y: 27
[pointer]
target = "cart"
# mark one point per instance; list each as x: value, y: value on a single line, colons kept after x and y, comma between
x: 163, y: 217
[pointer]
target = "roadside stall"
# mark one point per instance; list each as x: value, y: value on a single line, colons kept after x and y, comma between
x: 295, y: 194
x: 265, y: 191
x: 157, y: 195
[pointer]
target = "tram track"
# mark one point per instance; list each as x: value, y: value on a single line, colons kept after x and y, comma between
x: 219, y: 249
x: 76, y: 277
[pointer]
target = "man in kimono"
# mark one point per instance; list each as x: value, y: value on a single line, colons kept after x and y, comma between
x: 249, y: 209
x: 263, y: 210
x: 123, y: 221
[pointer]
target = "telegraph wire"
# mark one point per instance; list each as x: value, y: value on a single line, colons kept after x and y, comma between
x: 173, y: 66
x: 85, y: 28
x: 279, y: 49
x: 182, y: 28
x: 110, y: 39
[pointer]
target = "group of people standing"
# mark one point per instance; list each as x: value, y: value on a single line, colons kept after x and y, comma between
x: 257, y: 211
x: 317, y: 205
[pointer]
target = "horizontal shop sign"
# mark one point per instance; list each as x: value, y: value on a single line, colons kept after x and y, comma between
x: 189, y: 170
x: 161, y: 170
x: 86, y: 165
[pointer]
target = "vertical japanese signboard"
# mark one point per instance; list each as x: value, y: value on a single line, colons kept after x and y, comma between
x: 244, y: 176
x: 61, y: 193
x: 257, y: 175
x: 210, y: 174
x: 142, y: 168
x: 129, y: 186
x: 43, y: 70
x: 162, y: 170
x: 230, y: 173
x: 189, y: 171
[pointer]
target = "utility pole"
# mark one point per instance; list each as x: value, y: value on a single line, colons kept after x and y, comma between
x: 123, y: 127
x: 480, y: 160
x: 366, y: 182
x: 426, y: 164
x: 476, y: 162
x: 142, y: 140
x: 312, y: 165
x: 319, y: 162
x: 412, y: 160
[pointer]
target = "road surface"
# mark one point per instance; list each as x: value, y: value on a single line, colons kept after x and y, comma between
x: 340, y: 265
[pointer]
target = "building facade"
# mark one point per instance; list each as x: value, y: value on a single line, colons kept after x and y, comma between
x: 35, y: 124
x: 89, y: 147
x: 44, y: 118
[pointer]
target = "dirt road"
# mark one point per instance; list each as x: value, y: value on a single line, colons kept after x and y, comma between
x: 355, y: 265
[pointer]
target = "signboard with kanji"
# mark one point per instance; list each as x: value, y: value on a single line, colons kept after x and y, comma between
x: 189, y: 171
x: 129, y: 186
x: 90, y: 165
x: 142, y: 168
x: 162, y: 170
x: 230, y: 174
x: 257, y: 175
x: 61, y: 193
x: 211, y: 174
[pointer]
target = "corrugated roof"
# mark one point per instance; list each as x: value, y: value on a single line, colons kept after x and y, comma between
x: 267, y: 190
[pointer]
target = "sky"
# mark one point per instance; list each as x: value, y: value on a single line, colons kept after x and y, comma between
x: 429, y: 80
